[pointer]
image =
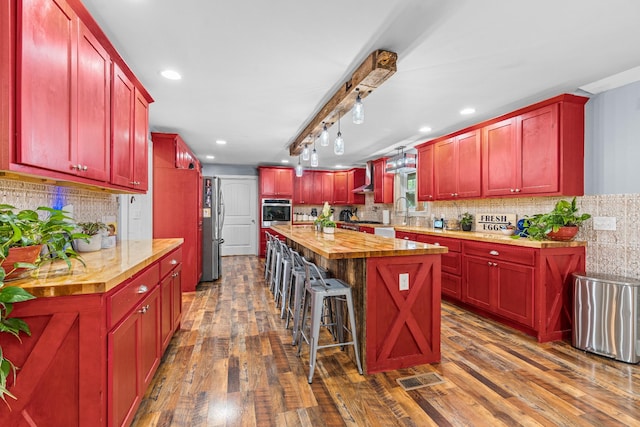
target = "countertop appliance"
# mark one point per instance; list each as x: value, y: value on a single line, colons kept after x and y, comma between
x: 212, y: 223
x: 606, y: 317
x: 345, y: 215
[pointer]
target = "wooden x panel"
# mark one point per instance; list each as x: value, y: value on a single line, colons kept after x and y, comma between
x: 403, y: 327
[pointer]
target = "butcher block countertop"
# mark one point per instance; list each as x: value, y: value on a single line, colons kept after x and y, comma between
x: 351, y: 244
x: 490, y: 238
x: 105, y: 269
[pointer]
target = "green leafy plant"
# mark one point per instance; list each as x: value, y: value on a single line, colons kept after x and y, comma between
x: 327, y: 223
x: 564, y: 214
x: 92, y: 228
x: 466, y: 219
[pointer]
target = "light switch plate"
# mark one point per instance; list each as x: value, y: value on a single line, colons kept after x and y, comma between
x: 607, y: 223
x: 404, y: 281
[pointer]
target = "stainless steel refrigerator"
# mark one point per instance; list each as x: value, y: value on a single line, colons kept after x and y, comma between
x: 212, y: 222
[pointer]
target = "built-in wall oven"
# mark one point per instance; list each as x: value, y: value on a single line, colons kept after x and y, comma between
x: 276, y: 212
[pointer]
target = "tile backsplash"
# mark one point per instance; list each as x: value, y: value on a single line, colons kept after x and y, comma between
x: 87, y: 205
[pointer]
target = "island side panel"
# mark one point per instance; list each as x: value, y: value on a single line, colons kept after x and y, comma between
x: 403, y: 326
x: 353, y: 272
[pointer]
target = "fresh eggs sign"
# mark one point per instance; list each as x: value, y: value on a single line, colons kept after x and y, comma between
x: 491, y: 223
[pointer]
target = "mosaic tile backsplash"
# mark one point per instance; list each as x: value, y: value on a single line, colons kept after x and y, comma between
x: 87, y: 205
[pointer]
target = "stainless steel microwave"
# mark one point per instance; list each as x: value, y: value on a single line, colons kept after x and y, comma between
x: 276, y: 212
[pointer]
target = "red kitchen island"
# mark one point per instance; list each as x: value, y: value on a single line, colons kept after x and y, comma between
x: 396, y: 291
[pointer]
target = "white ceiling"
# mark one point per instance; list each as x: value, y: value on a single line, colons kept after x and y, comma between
x: 255, y: 71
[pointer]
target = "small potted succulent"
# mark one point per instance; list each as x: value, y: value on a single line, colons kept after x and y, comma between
x: 466, y: 221
x: 94, y: 242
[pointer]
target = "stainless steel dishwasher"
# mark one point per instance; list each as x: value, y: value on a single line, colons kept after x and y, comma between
x: 605, y: 315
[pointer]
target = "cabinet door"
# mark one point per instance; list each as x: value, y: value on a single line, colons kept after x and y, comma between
x: 445, y: 169
x: 382, y: 183
x: 451, y: 285
x: 539, y: 151
x: 327, y: 187
x: 316, y: 189
x: 93, y: 145
x: 267, y: 182
x: 124, y: 378
x: 425, y: 173
x: 340, y: 187
x: 500, y: 160
x: 469, y: 166
x: 150, y: 340
x: 176, y: 296
x: 284, y: 183
x: 46, y: 84
x: 122, y: 96
x: 477, y: 289
x: 368, y: 230
x: 514, y: 294
x: 140, y: 142
x: 355, y: 179
x: 166, y: 303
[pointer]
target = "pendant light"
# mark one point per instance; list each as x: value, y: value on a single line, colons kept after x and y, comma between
x: 324, y: 136
x: 338, y: 144
x: 314, y: 156
x: 358, y: 110
x: 299, y: 168
x: 305, y: 153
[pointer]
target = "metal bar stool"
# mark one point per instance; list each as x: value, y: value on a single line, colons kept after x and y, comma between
x: 293, y: 296
x: 276, y: 266
x: 281, y: 278
x: 319, y: 290
x: 269, y: 254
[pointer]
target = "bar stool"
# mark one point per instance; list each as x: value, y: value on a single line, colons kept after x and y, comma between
x: 318, y: 291
x: 276, y: 266
x: 284, y: 272
x: 268, y: 254
x: 294, y: 292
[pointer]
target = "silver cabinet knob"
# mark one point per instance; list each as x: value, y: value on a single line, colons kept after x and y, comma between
x: 142, y: 289
x: 494, y: 253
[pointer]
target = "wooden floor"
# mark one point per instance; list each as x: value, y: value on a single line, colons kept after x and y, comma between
x: 232, y: 364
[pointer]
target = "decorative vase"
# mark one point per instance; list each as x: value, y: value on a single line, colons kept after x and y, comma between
x: 466, y: 227
x: 28, y: 254
x: 94, y: 244
x: 328, y: 230
x: 564, y: 234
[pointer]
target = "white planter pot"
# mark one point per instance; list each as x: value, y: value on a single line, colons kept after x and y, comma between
x: 94, y: 244
x: 328, y: 230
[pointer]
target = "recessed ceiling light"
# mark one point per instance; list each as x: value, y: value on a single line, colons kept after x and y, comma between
x: 425, y: 129
x: 171, y: 75
x: 210, y: 157
x: 285, y: 161
x: 221, y: 141
x: 467, y: 111
x: 338, y: 166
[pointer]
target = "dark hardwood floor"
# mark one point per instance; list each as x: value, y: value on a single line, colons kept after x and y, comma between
x: 232, y: 364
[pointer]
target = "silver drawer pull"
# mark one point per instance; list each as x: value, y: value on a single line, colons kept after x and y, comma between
x: 142, y: 289
x: 173, y: 262
x: 436, y: 244
x: 489, y: 263
x: 144, y: 309
x: 494, y: 253
x: 495, y: 264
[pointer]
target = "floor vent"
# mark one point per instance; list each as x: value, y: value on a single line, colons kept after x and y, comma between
x: 419, y: 381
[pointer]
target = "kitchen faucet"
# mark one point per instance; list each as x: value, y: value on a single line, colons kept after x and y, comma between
x: 406, y: 209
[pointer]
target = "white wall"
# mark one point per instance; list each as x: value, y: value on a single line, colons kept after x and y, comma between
x: 135, y: 220
x: 612, y: 141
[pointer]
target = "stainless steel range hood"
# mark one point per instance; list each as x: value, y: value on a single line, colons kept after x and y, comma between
x: 368, y: 180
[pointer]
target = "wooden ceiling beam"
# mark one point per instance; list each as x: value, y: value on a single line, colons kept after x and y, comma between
x: 375, y: 70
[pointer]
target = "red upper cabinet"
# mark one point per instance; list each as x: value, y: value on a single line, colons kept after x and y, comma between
x: 457, y: 167
x: 302, y: 188
x: 327, y: 186
x: 355, y: 179
x: 538, y: 151
x: 382, y: 182
x: 341, y: 187
x: 425, y: 173
x: 140, y: 142
x: 276, y: 182
x: 93, y: 145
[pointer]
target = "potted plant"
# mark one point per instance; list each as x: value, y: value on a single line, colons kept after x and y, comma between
x: 561, y: 223
x: 328, y: 226
x: 94, y: 231
x: 466, y: 221
x: 325, y: 217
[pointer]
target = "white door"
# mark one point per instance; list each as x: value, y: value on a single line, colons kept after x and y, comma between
x: 240, y: 229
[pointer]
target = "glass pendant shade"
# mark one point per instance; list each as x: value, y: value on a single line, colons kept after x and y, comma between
x: 338, y: 145
x: 299, y: 168
x: 324, y: 136
x: 314, y: 158
x: 358, y: 111
x: 305, y: 153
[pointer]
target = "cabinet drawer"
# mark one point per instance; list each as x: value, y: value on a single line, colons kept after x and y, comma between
x: 453, y: 245
x: 170, y: 261
x: 451, y: 263
x: 126, y: 297
x: 518, y: 255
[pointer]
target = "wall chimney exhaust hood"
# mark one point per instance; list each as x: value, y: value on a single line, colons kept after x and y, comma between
x: 368, y: 180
